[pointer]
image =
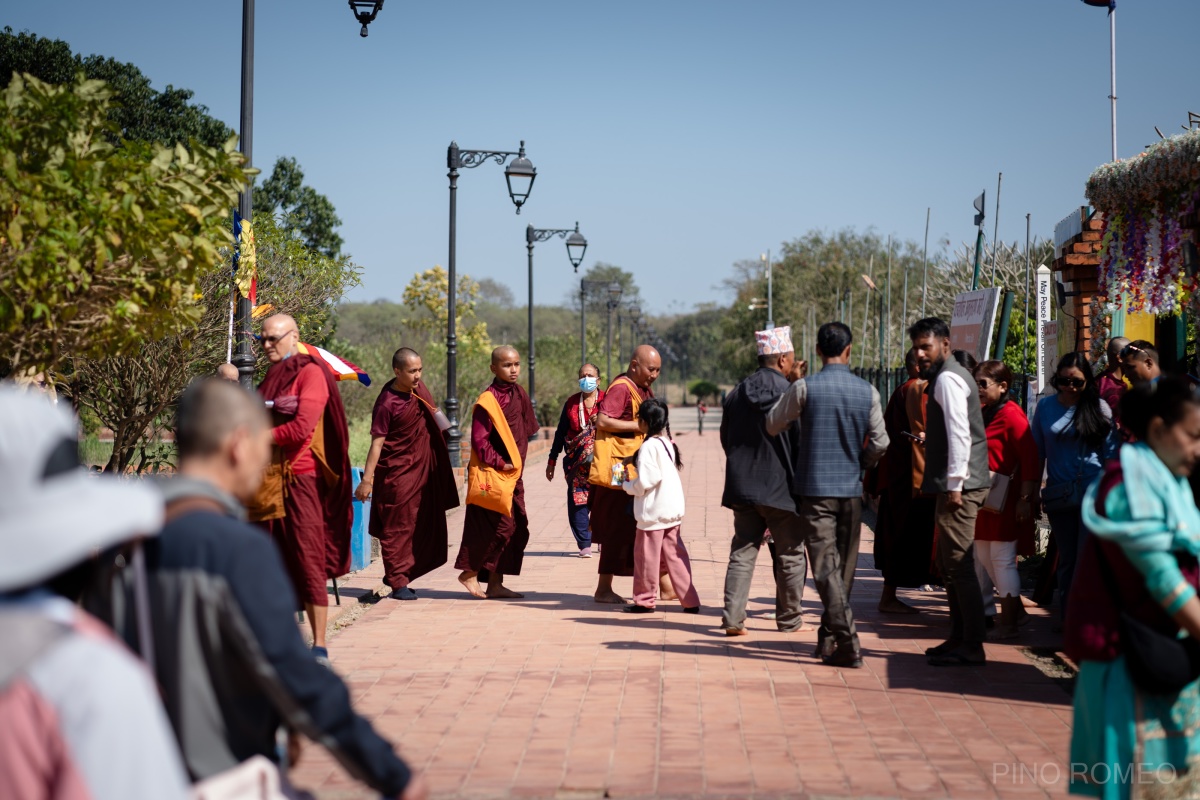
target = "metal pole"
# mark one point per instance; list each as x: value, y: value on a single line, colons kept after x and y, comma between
x: 925, y: 265
x: 770, y: 290
x: 582, y: 323
x: 610, y: 310
x: 532, y: 359
x: 996, y: 229
x: 244, y: 360
x: 453, y: 434
x: 1002, y: 334
x: 888, y: 323
x: 862, y: 354
x: 1112, y: 57
x: 880, y: 328
x: 1025, y: 332
x: 978, y: 252
x: 904, y: 305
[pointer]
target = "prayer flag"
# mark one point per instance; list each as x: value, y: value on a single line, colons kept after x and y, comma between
x: 342, y: 369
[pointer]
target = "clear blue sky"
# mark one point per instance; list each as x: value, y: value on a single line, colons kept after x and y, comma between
x: 684, y: 135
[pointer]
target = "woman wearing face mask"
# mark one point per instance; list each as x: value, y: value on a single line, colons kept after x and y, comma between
x: 1075, y: 436
x: 1001, y: 535
x: 576, y: 435
x: 1137, y: 723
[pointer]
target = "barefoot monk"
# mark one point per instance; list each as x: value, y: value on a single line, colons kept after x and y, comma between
x: 496, y: 528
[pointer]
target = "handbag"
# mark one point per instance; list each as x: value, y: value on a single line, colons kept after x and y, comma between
x: 488, y: 487
x: 611, y: 449
x: 997, y: 495
x: 1158, y: 663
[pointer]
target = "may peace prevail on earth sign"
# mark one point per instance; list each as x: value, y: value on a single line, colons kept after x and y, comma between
x: 972, y: 322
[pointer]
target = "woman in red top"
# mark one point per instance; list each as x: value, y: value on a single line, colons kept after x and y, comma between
x: 577, y: 435
x: 1000, y: 536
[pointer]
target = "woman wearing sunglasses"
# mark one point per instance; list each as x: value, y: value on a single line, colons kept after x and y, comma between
x: 1075, y: 436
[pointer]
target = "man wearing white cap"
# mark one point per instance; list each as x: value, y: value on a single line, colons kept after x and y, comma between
x: 841, y: 434
x: 759, y: 475
x: 81, y: 717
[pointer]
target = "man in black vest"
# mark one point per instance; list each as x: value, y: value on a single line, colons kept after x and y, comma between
x: 759, y: 472
x: 841, y: 434
x: 956, y: 471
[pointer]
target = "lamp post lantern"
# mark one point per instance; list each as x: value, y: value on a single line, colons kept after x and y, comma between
x: 532, y: 236
x: 365, y: 12
x: 519, y: 175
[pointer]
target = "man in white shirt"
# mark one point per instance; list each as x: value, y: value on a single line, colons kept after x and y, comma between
x: 956, y: 471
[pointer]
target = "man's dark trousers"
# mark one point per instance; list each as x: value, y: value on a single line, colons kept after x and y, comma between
x: 831, y: 528
x: 750, y: 524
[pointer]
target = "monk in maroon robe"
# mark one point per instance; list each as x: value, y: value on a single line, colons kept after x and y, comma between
x: 408, y: 478
x: 305, y: 501
x: 613, y: 525
x: 493, y: 545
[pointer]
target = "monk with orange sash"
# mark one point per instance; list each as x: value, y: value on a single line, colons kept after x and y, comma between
x: 304, y: 502
x: 496, y: 527
x: 618, y: 437
x: 408, y: 478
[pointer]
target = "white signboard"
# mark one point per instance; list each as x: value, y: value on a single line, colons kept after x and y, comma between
x: 1043, y: 299
x: 973, y: 320
x: 1049, y: 353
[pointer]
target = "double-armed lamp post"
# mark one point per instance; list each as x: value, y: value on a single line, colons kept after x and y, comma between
x: 614, y: 297
x: 576, y: 247
x: 519, y: 174
x: 365, y: 12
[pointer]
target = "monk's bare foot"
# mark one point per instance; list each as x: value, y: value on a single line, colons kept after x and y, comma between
x: 895, y: 606
x: 470, y: 581
x: 666, y: 589
x: 610, y: 597
x: 502, y: 592
x: 804, y: 626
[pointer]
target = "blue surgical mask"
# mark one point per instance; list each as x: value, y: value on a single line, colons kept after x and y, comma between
x: 588, y: 384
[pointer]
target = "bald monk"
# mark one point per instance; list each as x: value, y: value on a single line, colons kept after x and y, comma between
x: 408, y: 478
x: 493, y: 545
x: 228, y: 372
x: 304, y: 502
x: 613, y: 525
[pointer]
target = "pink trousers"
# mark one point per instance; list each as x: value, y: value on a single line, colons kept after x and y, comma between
x: 656, y: 552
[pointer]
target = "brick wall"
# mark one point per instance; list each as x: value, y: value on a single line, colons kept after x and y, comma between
x: 1079, y: 266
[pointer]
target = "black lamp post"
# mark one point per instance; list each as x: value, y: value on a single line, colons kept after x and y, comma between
x: 520, y: 175
x: 365, y: 11
x: 243, y: 357
x: 614, y: 297
x: 576, y: 247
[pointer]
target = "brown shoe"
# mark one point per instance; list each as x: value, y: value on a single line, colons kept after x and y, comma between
x: 736, y: 632
x: 1006, y: 626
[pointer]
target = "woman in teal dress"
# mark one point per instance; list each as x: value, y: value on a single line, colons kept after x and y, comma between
x: 1126, y: 742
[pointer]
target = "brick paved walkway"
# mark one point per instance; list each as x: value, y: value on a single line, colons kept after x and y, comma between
x: 554, y: 696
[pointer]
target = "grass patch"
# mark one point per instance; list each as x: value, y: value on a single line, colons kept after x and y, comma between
x: 360, y: 441
x: 93, y: 452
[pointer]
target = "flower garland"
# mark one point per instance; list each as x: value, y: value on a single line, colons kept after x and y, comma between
x: 1147, y: 203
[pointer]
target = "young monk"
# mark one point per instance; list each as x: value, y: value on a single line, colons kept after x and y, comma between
x: 493, y: 544
x: 416, y: 485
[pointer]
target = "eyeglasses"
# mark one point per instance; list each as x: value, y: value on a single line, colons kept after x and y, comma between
x: 983, y: 384
x: 1074, y: 383
x: 273, y: 340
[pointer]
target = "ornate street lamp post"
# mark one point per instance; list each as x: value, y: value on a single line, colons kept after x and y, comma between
x: 243, y: 357
x: 576, y: 247
x: 614, y: 297
x: 520, y: 175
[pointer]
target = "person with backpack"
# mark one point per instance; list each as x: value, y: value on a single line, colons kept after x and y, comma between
x: 658, y: 507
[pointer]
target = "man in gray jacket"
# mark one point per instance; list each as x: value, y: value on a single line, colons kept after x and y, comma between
x: 841, y: 434
x: 956, y: 470
x: 759, y: 474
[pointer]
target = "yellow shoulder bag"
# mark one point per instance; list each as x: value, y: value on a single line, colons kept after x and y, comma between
x: 612, y: 448
x: 488, y: 487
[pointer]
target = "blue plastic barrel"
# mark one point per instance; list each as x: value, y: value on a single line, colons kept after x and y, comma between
x: 360, y: 544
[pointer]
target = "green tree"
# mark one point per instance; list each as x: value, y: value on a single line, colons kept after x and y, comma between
x: 702, y: 389
x: 102, y: 246
x: 132, y: 394
x: 305, y: 211
x: 138, y: 112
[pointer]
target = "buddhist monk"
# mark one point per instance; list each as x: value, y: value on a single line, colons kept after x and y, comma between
x: 618, y: 437
x: 305, y: 499
x: 408, y: 478
x: 493, y: 544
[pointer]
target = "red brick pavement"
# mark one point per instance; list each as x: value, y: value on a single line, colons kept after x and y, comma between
x: 555, y: 696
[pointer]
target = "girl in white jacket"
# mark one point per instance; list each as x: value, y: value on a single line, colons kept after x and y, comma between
x: 658, y: 507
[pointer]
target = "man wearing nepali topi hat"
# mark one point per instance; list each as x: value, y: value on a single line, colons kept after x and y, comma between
x: 759, y: 476
x: 841, y: 434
